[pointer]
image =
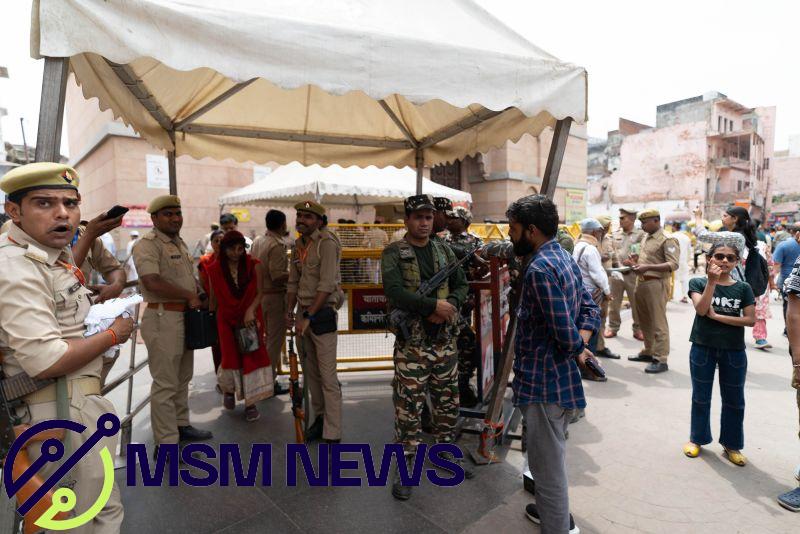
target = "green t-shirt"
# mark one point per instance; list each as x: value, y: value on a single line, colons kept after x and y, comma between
x: 728, y: 300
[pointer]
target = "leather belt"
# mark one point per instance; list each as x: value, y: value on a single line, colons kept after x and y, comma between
x: 648, y: 278
x: 89, y: 385
x: 168, y: 306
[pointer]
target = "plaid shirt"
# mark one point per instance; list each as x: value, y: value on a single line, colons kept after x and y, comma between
x: 554, y: 305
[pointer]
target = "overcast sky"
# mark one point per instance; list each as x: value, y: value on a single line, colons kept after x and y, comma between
x: 638, y: 55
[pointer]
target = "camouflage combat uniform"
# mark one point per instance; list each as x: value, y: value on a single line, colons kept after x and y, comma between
x: 426, y: 360
x: 466, y: 345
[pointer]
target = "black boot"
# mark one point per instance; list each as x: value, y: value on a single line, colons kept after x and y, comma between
x: 315, y: 430
x: 399, y: 490
x: 466, y: 466
x: 280, y: 389
x: 467, y: 396
x: 190, y: 433
x: 606, y: 353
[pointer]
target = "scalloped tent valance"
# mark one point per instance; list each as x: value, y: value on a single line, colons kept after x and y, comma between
x: 351, y: 82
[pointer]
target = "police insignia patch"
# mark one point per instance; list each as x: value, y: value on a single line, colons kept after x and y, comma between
x: 67, y: 178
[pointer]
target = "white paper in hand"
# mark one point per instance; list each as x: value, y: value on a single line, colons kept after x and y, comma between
x: 101, y: 316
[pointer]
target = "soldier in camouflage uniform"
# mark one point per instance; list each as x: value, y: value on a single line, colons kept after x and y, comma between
x: 426, y: 360
x: 462, y: 241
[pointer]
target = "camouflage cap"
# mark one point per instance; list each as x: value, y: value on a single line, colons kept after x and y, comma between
x: 462, y: 213
x: 442, y: 204
x: 311, y: 207
x: 419, y: 202
x: 652, y: 212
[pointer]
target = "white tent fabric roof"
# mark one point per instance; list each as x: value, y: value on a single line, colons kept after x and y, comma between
x: 337, y: 186
x: 292, y: 72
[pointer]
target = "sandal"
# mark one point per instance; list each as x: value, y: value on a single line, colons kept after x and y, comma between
x: 229, y: 401
x: 735, y: 457
x: 692, y: 450
x: 251, y: 413
x: 790, y: 500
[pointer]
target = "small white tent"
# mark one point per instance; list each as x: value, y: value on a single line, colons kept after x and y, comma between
x: 336, y: 186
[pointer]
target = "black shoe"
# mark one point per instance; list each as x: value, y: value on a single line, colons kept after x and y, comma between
x: 641, y: 358
x: 190, y: 433
x: 467, y: 397
x: 656, y: 367
x: 280, y: 389
x: 426, y: 423
x: 180, y: 455
x: 532, y: 513
x: 588, y: 375
x: 400, y: 491
x: 468, y: 472
x: 606, y: 353
x: 315, y: 430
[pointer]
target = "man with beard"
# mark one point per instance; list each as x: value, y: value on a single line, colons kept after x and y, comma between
x: 425, y: 358
x: 167, y: 283
x: 43, y: 303
x: 556, y: 317
x: 315, y: 289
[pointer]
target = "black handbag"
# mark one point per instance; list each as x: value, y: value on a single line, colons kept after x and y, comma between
x: 324, y: 321
x: 201, y: 329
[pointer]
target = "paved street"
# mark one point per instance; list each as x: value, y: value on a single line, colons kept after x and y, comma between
x: 627, y: 471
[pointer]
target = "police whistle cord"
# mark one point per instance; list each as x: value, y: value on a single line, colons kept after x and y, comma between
x: 397, y: 319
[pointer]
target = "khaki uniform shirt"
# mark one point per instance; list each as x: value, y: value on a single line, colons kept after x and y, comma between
x: 607, y: 254
x: 98, y: 259
x: 271, y: 250
x: 315, y: 267
x: 658, y: 248
x: 42, y: 303
x: 157, y: 253
x: 623, y: 241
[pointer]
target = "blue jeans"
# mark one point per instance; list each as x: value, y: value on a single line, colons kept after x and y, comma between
x: 732, y: 364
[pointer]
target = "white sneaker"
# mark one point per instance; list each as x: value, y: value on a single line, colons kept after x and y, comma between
x: 532, y: 513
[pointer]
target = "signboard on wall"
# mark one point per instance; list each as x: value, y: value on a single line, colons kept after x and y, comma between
x: 575, y: 205
x: 137, y: 217
x: 157, y: 172
x: 368, y: 309
x: 242, y: 214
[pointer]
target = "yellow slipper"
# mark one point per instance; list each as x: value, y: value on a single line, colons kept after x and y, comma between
x: 692, y: 450
x: 736, y: 457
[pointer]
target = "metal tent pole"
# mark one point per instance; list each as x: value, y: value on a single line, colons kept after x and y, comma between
x: 419, y: 161
x: 556, y: 156
x: 173, y: 173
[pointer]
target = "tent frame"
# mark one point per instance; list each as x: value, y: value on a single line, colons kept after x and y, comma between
x: 51, y: 114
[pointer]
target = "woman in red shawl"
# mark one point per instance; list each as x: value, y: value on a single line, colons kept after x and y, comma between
x: 235, y: 283
x: 202, y: 270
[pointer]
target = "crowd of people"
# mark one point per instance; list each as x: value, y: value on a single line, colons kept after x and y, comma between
x: 568, y: 295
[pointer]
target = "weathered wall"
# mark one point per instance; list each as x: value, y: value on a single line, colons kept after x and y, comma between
x: 786, y: 175
x: 667, y: 163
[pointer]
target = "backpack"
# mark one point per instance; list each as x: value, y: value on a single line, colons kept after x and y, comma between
x: 756, y: 272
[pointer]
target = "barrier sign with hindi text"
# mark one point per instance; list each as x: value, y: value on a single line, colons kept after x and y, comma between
x: 367, y: 309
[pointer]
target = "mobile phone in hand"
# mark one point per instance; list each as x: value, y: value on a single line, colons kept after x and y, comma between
x: 116, y: 211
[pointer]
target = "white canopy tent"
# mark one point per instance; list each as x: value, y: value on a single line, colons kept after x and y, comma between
x: 353, y: 82
x: 336, y: 186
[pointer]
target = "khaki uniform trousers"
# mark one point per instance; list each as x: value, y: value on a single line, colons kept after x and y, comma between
x: 618, y: 287
x: 318, y: 355
x: 88, y: 472
x: 171, y: 366
x: 651, y: 302
x: 273, y: 305
x: 601, y: 340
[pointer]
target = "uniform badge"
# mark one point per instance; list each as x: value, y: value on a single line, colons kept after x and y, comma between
x: 670, y: 249
x: 308, y: 204
x: 67, y: 178
x: 74, y: 288
x: 175, y: 257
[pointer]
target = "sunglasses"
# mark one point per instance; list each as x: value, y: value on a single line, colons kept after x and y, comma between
x: 730, y: 257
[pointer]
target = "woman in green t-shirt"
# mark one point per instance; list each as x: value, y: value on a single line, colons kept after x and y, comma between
x: 724, y: 307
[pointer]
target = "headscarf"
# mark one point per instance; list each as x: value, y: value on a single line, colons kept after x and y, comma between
x: 231, y: 239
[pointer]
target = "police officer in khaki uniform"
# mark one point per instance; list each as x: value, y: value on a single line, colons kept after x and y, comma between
x: 626, y: 237
x: 166, y: 277
x: 43, y: 303
x: 653, y: 266
x: 272, y: 251
x: 315, y: 289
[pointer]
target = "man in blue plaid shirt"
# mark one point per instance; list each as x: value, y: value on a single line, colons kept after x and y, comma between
x: 556, y: 317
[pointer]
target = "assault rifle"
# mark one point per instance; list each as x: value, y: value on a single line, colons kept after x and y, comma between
x: 296, y: 392
x: 11, y: 392
x: 397, y: 319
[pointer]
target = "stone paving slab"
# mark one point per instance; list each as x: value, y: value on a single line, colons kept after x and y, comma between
x: 627, y: 472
